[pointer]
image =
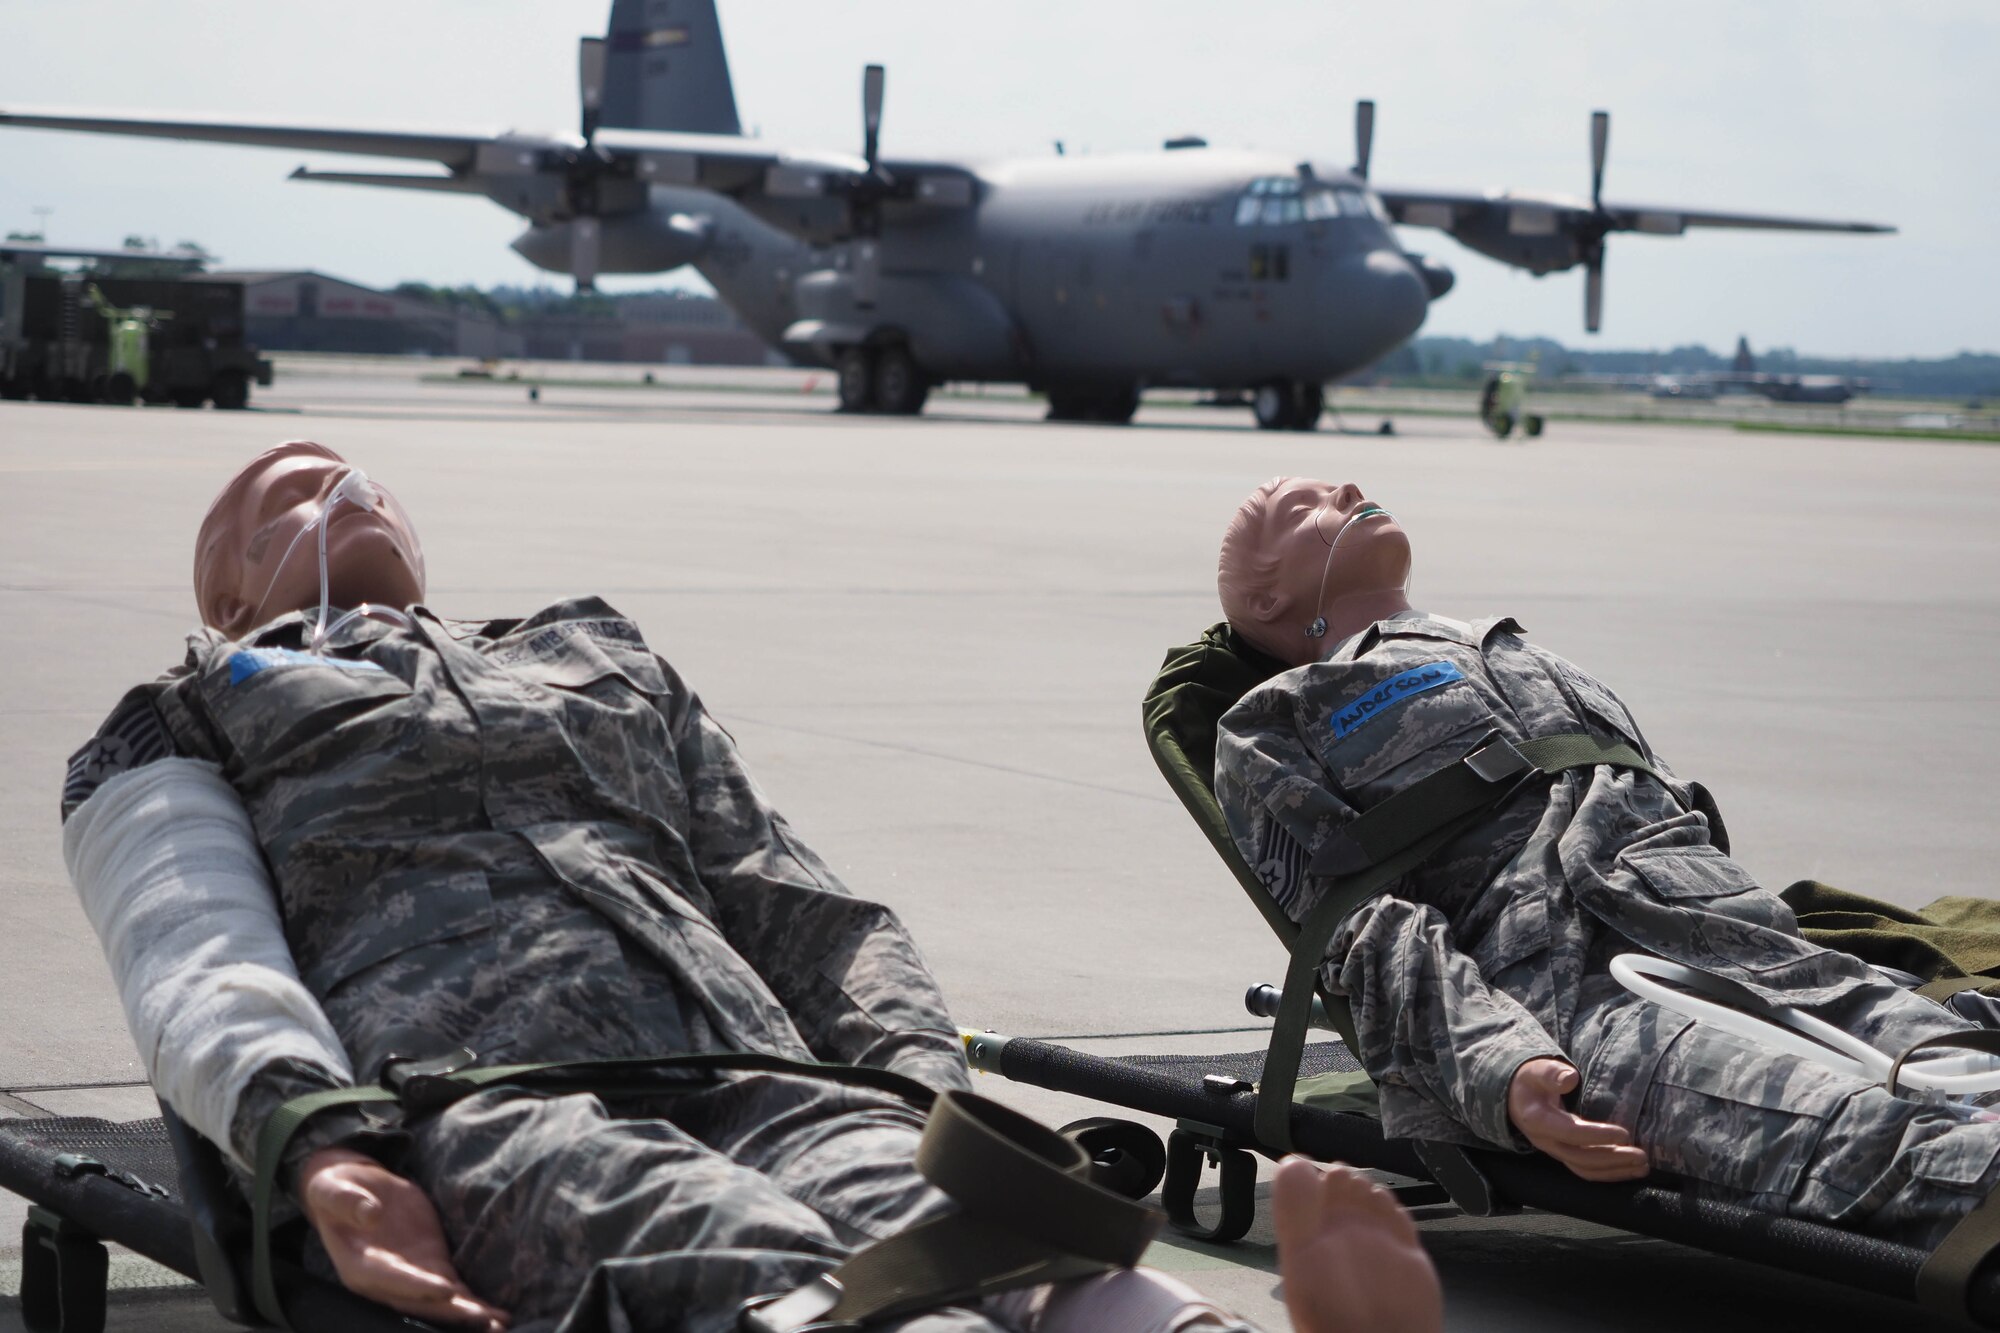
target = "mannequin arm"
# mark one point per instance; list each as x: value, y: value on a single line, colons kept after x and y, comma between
x: 1427, y: 1020
x: 845, y: 969
x: 168, y: 871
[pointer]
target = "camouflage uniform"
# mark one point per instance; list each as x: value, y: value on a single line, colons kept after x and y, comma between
x: 528, y: 838
x: 1495, y: 951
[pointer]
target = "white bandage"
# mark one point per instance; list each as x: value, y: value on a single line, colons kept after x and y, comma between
x: 170, y: 875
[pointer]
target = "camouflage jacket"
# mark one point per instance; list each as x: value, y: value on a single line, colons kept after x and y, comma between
x: 1473, y: 964
x: 527, y: 838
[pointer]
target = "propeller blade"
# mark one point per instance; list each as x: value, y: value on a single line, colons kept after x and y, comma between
x: 867, y: 273
x: 1600, y: 140
x: 1593, y: 292
x: 590, y: 83
x: 1364, y: 136
x: 584, y: 236
x: 872, y: 80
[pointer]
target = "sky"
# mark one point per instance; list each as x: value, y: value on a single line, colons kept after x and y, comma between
x: 1839, y: 108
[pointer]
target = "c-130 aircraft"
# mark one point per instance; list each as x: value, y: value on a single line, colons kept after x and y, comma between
x: 1087, y: 278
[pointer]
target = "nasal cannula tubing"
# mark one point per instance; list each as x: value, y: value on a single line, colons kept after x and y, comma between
x: 1798, y: 1033
x: 355, y: 488
x: 1368, y: 509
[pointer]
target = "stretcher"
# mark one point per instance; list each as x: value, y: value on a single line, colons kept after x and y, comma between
x: 160, y: 1190
x: 1215, y: 1100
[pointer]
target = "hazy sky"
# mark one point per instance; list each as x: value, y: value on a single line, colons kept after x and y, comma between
x: 1842, y: 108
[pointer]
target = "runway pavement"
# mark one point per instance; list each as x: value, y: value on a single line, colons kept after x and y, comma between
x: 930, y: 638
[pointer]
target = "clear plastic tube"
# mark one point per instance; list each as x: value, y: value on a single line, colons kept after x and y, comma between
x: 1798, y: 1033
x: 354, y: 488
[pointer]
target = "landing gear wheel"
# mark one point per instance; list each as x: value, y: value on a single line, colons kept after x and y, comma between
x: 1308, y: 401
x: 231, y: 391
x: 1068, y: 405
x: 119, y: 390
x: 900, y: 387
x: 1111, y: 404
x: 857, y: 380
x: 1532, y: 427
x: 1114, y: 407
x: 1272, y: 405
x: 1125, y: 1157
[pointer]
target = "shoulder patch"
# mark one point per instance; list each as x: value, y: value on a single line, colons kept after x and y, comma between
x: 132, y: 737
x: 1357, y: 713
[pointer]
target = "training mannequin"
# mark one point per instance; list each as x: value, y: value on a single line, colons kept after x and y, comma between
x: 1479, y: 982
x: 527, y: 839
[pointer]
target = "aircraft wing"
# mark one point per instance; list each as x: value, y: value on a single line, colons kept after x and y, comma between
x: 1672, y: 221
x: 1530, y: 214
x: 454, y: 150
x: 805, y: 192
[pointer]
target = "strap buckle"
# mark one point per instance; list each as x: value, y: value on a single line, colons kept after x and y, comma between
x: 419, y: 1082
x: 801, y: 1311
x: 1497, y: 760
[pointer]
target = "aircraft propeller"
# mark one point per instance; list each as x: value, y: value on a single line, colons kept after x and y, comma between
x: 585, y: 230
x: 1594, y: 230
x: 865, y: 198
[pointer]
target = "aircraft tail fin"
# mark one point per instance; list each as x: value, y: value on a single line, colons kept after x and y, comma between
x: 665, y: 68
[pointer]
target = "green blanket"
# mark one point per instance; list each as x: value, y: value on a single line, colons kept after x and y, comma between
x: 1953, y: 943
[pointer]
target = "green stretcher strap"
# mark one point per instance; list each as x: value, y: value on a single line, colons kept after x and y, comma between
x: 1945, y: 987
x: 1027, y: 1214
x: 272, y: 1140
x: 1393, y: 839
x: 1472, y: 783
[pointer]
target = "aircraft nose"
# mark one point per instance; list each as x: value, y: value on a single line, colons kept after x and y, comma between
x: 1378, y: 300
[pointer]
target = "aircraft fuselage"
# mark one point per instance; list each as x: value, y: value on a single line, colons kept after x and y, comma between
x: 1199, y: 268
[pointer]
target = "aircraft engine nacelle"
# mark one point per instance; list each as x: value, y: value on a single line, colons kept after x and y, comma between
x: 644, y: 242
x: 1525, y: 237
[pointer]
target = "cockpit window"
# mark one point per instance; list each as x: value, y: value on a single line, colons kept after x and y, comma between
x: 1272, y: 201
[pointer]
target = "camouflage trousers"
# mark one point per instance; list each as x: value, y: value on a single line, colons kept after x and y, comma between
x: 671, y: 1215
x: 1781, y: 1134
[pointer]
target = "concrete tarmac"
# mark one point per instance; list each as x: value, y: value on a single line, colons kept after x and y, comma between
x: 930, y: 638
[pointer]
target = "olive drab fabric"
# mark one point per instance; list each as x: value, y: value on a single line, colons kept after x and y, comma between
x: 1495, y: 951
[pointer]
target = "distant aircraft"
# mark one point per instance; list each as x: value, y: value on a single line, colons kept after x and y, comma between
x: 1089, y: 278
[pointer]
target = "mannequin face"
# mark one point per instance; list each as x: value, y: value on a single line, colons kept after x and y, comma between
x: 1281, y: 567
x: 247, y: 569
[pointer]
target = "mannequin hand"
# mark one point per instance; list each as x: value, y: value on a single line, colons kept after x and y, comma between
x: 386, y: 1242
x: 1591, y: 1149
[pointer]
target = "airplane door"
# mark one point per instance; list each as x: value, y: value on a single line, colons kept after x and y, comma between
x: 1047, y: 299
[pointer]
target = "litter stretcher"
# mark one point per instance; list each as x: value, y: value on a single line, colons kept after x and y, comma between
x: 1228, y: 1111
x: 159, y: 1189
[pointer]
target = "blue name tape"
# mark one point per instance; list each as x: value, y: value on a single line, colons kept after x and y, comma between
x: 1407, y: 685
x: 247, y: 662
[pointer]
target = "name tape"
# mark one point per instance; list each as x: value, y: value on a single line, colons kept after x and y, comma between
x: 1407, y: 685
x: 247, y: 662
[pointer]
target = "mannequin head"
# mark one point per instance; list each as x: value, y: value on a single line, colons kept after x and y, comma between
x: 1298, y: 550
x: 248, y: 569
